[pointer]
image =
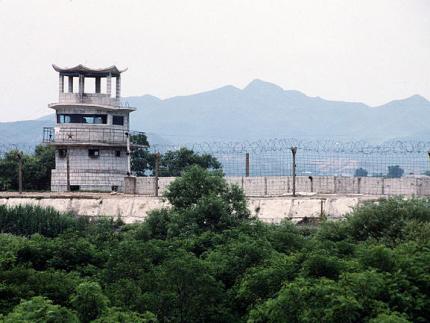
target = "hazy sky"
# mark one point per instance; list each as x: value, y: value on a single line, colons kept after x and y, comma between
x: 371, y: 51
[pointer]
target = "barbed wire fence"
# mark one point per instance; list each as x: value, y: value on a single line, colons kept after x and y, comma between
x: 266, y: 167
x: 24, y: 148
x: 326, y: 166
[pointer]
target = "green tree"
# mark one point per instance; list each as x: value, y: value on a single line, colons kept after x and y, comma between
x: 36, y: 169
x: 389, y: 318
x: 395, y: 171
x: 309, y: 301
x: 89, y: 301
x: 173, y: 163
x: 202, y: 201
x: 387, y: 220
x: 188, y: 292
x: 9, y: 170
x: 40, y: 309
x: 360, y: 172
x: 116, y: 315
x: 142, y: 161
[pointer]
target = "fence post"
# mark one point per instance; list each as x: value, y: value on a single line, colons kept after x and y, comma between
x: 247, y: 165
x: 294, y: 151
x: 128, y: 154
x: 156, y: 174
x: 19, y: 172
x: 68, y: 170
x: 312, y: 183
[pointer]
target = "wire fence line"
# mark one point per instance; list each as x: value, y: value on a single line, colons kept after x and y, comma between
x: 266, y: 167
x: 25, y: 148
x: 316, y: 158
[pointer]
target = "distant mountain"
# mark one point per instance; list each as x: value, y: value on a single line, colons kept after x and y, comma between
x: 265, y: 110
x: 260, y: 110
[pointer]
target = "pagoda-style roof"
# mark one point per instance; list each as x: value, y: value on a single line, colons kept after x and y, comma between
x: 89, y: 72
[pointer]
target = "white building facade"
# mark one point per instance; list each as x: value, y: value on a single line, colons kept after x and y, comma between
x: 91, y: 136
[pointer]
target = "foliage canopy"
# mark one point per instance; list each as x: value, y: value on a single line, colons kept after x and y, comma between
x: 206, y: 260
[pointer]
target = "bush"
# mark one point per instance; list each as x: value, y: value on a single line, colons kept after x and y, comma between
x: 205, y: 260
x: 387, y: 220
x: 27, y: 220
x: 361, y: 172
x: 89, y: 301
x: 40, y: 309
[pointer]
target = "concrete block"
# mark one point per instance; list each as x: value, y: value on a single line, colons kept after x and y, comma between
x: 278, y: 185
x: 255, y: 186
x: 60, y: 204
x: 271, y: 210
x: 400, y: 186
x: 130, y: 185
x: 22, y: 201
x: 335, y: 208
x: 310, y: 208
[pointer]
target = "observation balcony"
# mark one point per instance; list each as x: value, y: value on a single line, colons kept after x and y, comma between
x: 74, y: 136
x: 89, y: 98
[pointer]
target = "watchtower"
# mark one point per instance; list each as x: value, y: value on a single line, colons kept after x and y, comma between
x: 91, y: 136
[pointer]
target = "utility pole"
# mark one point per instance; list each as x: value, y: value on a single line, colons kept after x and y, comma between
x: 247, y: 165
x: 19, y: 156
x: 156, y: 174
x: 294, y: 151
x: 128, y: 154
x: 68, y: 170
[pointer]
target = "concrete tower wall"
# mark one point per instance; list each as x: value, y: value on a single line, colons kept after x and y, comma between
x: 91, y: 136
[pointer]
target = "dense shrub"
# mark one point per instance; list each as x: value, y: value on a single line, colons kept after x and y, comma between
x: 206, y: 260
x: 27, y: 220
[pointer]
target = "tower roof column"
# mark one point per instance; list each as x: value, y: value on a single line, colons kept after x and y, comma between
x: 109, y: 84
x: 70, y: 85
x: 81, y: 84
x: 60, y: 83
x: 118, y: 87
x: 98, y: 84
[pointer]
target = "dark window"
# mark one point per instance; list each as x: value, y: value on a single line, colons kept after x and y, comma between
x: 94, y: 153
x: 114, y: 188
x: 82, y: 118
x: 74, y: 188
x: 118, y: 153
x: 62, y: 153
x: 118, y: 120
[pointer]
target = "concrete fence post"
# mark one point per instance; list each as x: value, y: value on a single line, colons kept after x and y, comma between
x: 128, y: 154
x: 311, y: 179
x: 68, y: 170
x: 294, y: 151
x: 156, y: 173
x: 265, y: 186
x: 358, y: 185
x: 247, y: 165
x: 19, y: 172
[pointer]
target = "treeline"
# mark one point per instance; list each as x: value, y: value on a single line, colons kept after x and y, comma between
x: 206, y: 260
x: 36, y: 169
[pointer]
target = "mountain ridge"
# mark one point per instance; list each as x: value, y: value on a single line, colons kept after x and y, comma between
x: 260, y: 110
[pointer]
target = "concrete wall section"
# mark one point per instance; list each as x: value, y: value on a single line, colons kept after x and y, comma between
x: 134, y: 208
x: 260, y: 186
x: 87, y: 181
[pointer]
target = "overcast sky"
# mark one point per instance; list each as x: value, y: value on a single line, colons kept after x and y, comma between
x: 370, y: 51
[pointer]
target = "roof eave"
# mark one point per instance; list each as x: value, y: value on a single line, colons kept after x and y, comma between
x: 84, y: 70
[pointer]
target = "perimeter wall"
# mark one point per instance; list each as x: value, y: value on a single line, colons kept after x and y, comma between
x: 264, y: 186
x: 134, y: 208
